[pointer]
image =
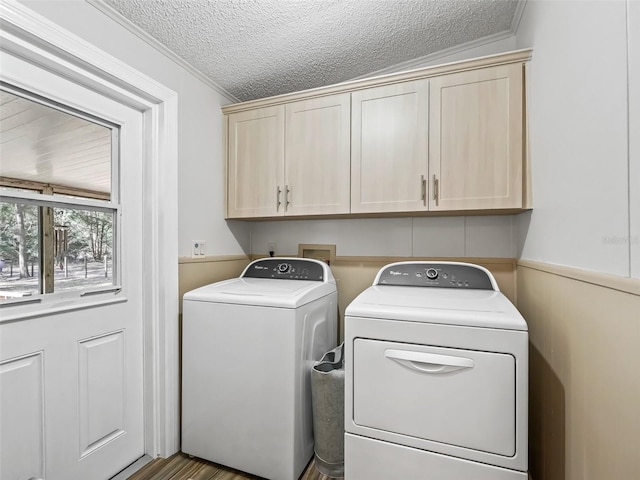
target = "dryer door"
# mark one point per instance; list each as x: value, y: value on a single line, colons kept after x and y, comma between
x: 459, y: 397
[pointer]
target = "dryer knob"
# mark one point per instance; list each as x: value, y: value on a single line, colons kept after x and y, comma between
x: 431, y: 273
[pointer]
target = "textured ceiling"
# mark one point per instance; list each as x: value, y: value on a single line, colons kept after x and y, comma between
x: 258, y: 48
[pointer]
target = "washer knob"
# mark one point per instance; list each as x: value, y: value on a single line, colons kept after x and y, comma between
x: 283, y: 267
x: 431, y: 273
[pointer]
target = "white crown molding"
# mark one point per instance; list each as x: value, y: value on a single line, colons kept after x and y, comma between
x: 517, y: 16
x: 420, y: 61
x: 150, y: 40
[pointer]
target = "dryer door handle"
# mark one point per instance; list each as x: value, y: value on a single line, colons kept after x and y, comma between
x: 429, y: 362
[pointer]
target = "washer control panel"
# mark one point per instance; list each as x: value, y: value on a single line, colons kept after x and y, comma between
x: 286, y: 268
x: 432, y: 274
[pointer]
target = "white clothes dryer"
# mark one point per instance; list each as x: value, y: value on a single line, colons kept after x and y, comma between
x: 436, y: 369
x: 248, y: 346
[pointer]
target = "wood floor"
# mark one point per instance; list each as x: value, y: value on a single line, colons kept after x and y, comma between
x: 181, y: 467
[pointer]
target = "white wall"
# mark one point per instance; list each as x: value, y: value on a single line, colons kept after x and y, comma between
x: 579, y: 135
x: 633, y: 24
x: 477, y: 236
x: 200, y: 168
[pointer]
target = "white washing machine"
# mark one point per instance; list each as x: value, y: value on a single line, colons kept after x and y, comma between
x: 436, y: 369
x: 248, y: 345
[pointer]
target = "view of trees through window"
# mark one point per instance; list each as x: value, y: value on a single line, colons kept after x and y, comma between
x: 82, y: 249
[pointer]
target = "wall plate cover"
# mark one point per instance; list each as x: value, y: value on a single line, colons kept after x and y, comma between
x: 198, y: 249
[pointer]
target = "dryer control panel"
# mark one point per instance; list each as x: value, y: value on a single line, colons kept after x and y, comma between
x: 285, y: 268
x: 434, y: 274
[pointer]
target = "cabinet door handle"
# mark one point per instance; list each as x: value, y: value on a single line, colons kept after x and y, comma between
x: 423, y: 188
x: 278, y: 202
x: 436, y: 190
x: 287, y: 191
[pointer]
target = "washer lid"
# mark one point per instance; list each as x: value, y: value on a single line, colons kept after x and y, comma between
x: 467, y: 307
x: 262, y: 292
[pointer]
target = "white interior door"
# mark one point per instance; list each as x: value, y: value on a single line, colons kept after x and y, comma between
x: 71, y: 367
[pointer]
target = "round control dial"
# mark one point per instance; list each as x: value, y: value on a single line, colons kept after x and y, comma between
x: 283, y: 267
x: 431, y: 273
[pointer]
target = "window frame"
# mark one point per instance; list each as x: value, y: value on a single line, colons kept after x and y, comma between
x: 33, y: 193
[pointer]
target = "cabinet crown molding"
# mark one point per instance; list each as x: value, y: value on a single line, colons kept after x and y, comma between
x: 354, y: 85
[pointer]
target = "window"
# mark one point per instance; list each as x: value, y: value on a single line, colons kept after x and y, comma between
x: 58, y: 205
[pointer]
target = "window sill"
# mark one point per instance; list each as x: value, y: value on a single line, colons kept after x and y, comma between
x: 33, y: 307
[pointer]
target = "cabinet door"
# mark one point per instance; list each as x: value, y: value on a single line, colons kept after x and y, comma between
x: 256, y: 163
x: 475, y: 139
x: 389, y: 148
x: 317, y: 156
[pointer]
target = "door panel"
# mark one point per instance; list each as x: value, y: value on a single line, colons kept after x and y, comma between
x: 92, y: 413
x: 71, y: 376
x: 21, y: 407
x: 101, y: 390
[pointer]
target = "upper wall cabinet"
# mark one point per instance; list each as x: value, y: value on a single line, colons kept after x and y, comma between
x: 317, y: 152
x: 448, y: 138
x: 256, y: 163
x: 475, y: 139
x: 290, y: 159
x: 389, y: 148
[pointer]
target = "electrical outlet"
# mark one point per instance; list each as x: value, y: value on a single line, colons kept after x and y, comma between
x: 271, y: 249
x: 198, y: 249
